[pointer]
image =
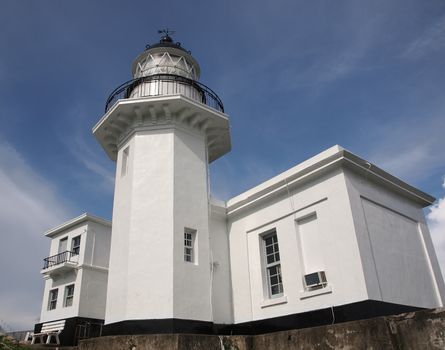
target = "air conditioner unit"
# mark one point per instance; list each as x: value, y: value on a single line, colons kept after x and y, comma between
x: 315, y: 279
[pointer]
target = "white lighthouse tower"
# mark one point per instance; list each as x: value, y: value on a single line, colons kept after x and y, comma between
x: 162, y: 128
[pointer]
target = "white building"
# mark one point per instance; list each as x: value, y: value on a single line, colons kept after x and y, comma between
x: 333, y: 239
x: 337, y: 214
x: 76, y: 274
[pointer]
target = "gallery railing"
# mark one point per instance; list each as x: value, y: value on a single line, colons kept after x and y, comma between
x: 165, y: 84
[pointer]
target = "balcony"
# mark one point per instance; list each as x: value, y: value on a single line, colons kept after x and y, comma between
x: 60, y: 263
x: 165, y: 84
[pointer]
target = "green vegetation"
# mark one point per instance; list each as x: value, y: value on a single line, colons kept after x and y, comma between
x: 10, y: 344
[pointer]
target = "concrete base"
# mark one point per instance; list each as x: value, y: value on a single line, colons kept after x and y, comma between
x: 415, y: 330
x: 167, y: 342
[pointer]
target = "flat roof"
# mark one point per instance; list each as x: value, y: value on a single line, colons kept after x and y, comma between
x: 73, y: 222
x: 333, y: 156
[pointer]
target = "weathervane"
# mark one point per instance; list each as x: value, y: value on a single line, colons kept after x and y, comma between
x: 166, y: 31
x: 166, y: 39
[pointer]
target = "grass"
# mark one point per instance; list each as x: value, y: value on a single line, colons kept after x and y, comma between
x: 9, y: 343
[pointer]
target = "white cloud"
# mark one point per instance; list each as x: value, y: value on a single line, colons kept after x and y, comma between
x: 81, y: 144
x: 436, y: 223
x: 410, y: 148
x: 226, y: 181
x: 28, y: 206
x: 431, y: 40
x: 93, y: 161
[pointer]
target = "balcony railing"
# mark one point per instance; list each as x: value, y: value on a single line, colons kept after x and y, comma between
x: 165, y: 84
x: 60, y: 258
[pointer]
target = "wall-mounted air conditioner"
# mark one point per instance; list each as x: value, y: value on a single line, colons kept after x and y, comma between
x: 315, y: 279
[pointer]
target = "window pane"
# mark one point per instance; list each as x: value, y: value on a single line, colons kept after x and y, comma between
x: 273, y: 270
x: 274, y: 280
x: 275, y: 290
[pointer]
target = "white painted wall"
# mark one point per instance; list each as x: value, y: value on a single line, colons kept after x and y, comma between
x: 398, y: 258
x: 93, y: 288
x: 311, y: 240
x: 140, y: 282
x: 93, y: 293
x: 327, y: 198
x: 60, y: 282
x: 97, y: 245
x: 220, y: 259
x: 164, y: 190
x: 191, y: 281
x: 119, y: 248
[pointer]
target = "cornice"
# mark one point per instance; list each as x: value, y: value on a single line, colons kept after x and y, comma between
x: 325, y: 162
x: 157, y: 112
x: 76, y: 221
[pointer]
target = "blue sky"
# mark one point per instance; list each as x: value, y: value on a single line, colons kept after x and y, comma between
x: 296, y: 77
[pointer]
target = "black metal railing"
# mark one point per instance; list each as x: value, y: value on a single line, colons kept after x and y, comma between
x: 58, y: 259
x: 165, y: 84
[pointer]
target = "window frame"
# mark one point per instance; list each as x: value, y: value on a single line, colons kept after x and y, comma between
x: 125, y: 159
x: 75, y: 249
x: 272, y: 267
x: 189, y: 245
x: 68, y: 296
x: 52, y: 298
x: 61, y: 242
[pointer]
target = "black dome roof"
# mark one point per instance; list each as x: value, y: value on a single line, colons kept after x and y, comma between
x: 167, y: 41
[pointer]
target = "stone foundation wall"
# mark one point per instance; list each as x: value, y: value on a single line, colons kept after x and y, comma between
x: 417, y: 330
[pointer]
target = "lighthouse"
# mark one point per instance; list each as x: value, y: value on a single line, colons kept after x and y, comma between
x: 333, y: 239
x: 162, y: 128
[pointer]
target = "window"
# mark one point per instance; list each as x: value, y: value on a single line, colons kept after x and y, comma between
x: 69, y: 294
x: 52, y: 300
x: 63, y: 244
x: 125, y: 154
x: 61, y: 256
x: 189, y: 242
x: 75, y: 245
x: 272, y: 264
